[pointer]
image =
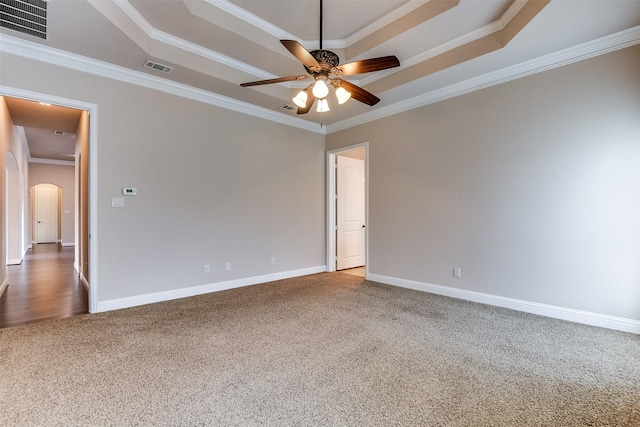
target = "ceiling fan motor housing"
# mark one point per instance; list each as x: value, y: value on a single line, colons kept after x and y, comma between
x: 327, y: 60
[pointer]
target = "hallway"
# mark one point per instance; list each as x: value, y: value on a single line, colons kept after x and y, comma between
x: 44, y: 287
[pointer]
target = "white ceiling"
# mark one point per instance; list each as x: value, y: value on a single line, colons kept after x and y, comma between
x: 214, y: 45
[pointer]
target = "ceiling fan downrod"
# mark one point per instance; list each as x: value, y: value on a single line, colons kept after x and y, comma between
x: 320, y: 24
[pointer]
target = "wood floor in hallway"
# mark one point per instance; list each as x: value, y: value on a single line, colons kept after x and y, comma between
x: 44, y: 287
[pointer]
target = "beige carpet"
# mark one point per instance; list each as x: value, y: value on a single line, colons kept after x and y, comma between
x: 326, y: 349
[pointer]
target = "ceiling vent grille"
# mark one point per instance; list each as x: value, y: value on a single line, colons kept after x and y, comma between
x: 158, y: 67
x: 26, y: 16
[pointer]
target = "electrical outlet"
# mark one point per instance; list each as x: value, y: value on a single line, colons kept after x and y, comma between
x: 273, y: 260
x: 228, y: 266
x: 457, y: 272
x: 207, y: 268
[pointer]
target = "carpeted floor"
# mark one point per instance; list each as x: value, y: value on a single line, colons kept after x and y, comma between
x: 326, y: 349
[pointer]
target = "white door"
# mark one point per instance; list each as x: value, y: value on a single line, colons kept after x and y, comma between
x: 46, y: 211
x: 350, y: 209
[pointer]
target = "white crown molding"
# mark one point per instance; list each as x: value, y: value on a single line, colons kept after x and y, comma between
x: 250, y: 18
x: 395, y: 14
x: 279, y: 33
x: 134, y: 15
x: 179, y: 43
x: 38, y: 52
x: 577, y: 53
x: 65, y: 59
x: 196, y: 49
x: 556, y: 312
x: 462, y: 40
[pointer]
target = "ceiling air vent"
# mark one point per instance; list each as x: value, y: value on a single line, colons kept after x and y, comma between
x: 158, y: 67
x: 289, y: 107
x: 26, y: 16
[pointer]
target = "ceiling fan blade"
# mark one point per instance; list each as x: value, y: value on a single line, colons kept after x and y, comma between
x: 301, y: 54
x: 360, y: 94
x: 278, y: 80
x: 368, y: 65
x: 310, y: 100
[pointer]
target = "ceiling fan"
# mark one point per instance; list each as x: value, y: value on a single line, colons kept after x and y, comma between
x: 323, y: 67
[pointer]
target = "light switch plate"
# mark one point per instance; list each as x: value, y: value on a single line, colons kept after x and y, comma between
x: 117, y: 202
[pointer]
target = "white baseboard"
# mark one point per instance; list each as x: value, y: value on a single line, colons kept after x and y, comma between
x: 84, y: 282
x: 3, y: 287
x: 16, y: 261
x: 118, y: 303
x: 66, y: 244
x: 578, y: 316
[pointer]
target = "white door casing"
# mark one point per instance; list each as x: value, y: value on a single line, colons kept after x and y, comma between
x: 350, y: 212
x: 46, y: 213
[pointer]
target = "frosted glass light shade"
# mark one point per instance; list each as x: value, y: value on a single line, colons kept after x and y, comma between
x: 320, y: 89
x: 301, y: 99
x: 342, y: 94
x: 323, y: 106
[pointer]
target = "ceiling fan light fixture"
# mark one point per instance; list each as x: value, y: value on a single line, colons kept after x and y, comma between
x: 323, y: 106
x: 320, y: 89
x: 342, y: 94
x: 301, y: 99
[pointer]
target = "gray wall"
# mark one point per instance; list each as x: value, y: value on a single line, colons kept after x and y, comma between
x: 63, y: 177
x: 214, y: 186
x: 15, y: 214
x: 531, y: 187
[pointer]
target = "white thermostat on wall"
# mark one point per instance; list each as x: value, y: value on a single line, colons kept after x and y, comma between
x: 128, y: 191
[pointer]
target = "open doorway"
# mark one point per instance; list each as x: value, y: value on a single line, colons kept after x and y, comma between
x: 56, y: 217
x: 347, y: 209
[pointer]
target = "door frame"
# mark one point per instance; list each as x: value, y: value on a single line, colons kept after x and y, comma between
x: 331, y: 204
x: 93, y: 174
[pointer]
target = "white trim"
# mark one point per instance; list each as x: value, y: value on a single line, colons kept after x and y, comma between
x: 569, y: 314
x: 392, y: 16
x: 34, y: 51
x: 64, y: 245
x: 331, y: 204
x: 15, y: 261
x: 452, y: 44
x: 4, y: 286
x: 51, y: 161
x: 251, y: 19
x: 85, y: 284
x: 577, y: 53
x: 22, y: 135
x: 119, y: 303
x: 211, y: 55
x: 37, y: 52
x: 279, y: 33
